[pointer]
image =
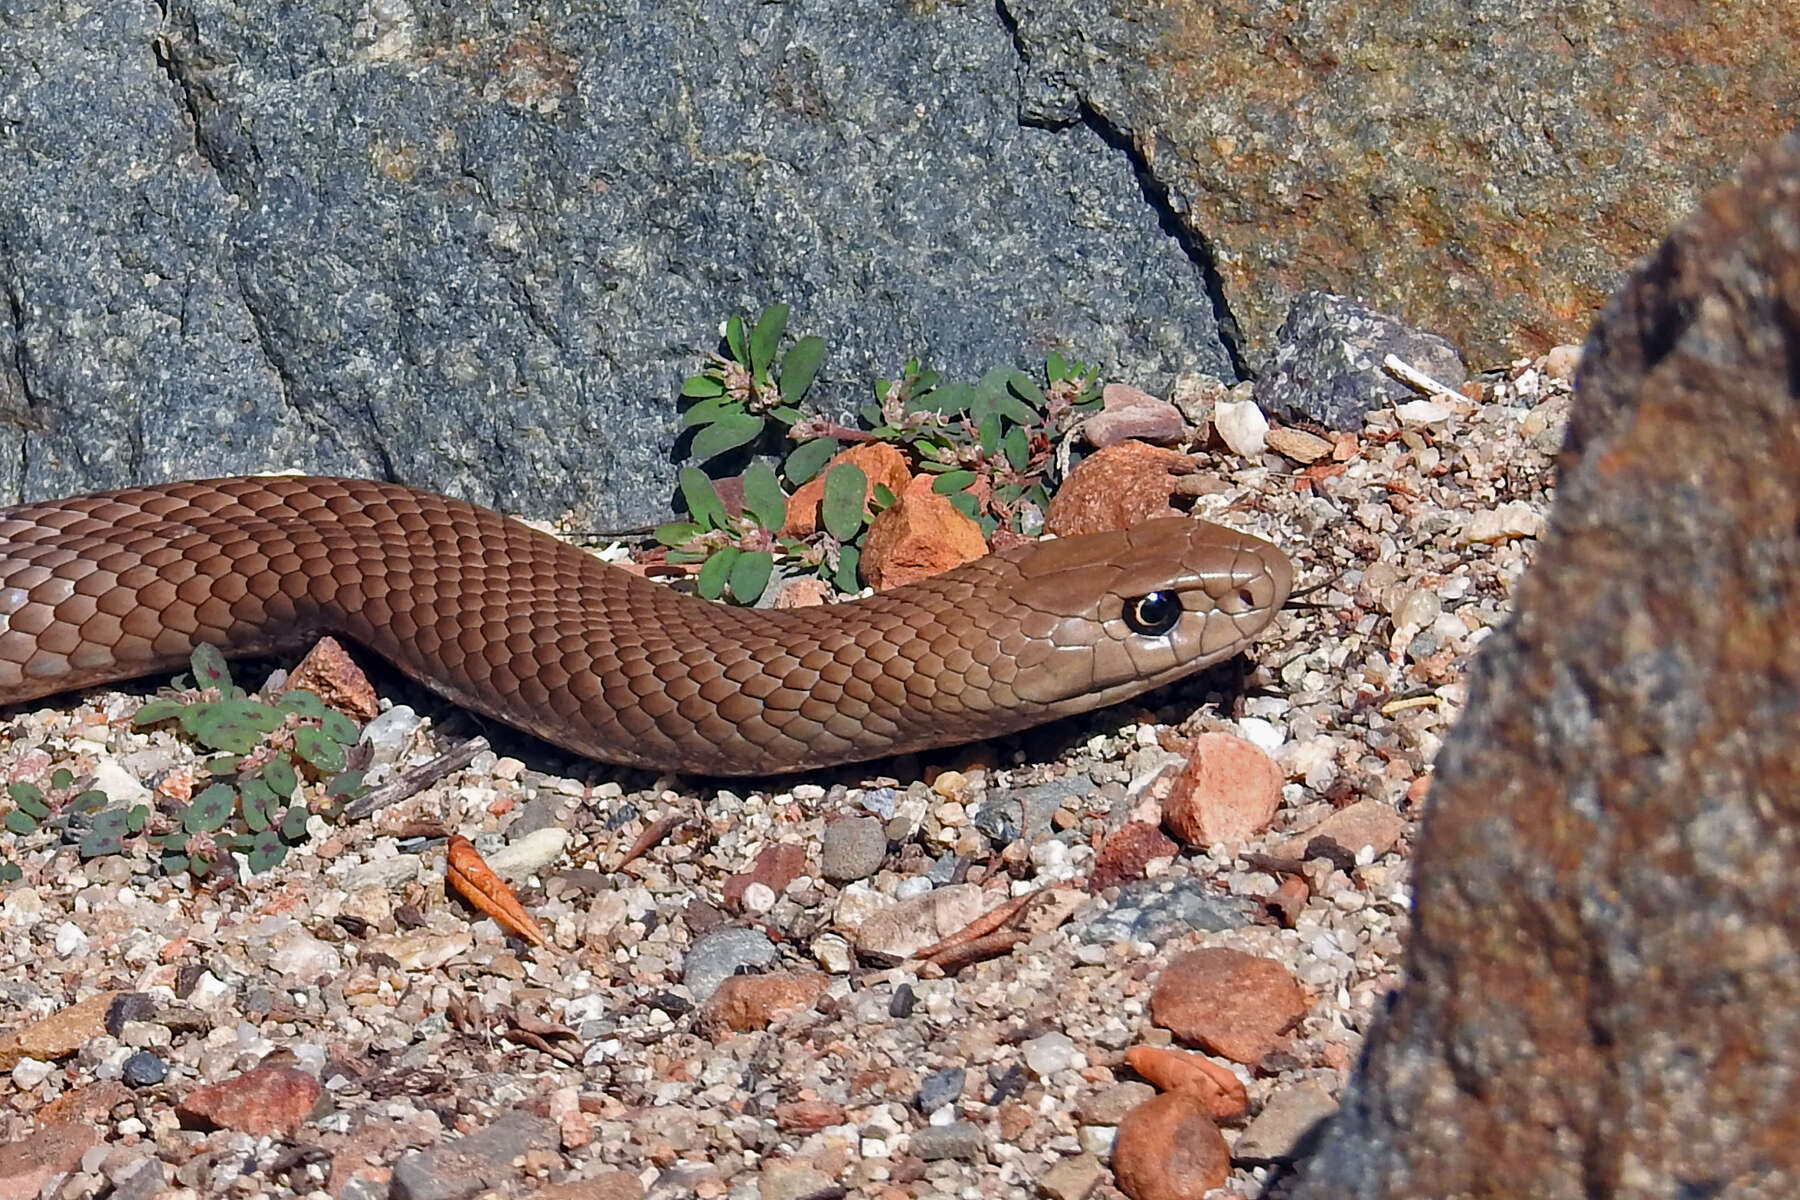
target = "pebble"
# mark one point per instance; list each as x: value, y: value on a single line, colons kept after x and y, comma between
x: 959, y: 1139
x: 1228, y: 793
x: 1052, y: 1053
x: 744, y: 1003
x: 528, y: 855
x: 1515, y: 519
x: 1227, y: 1002
x: 852, y: 848
x: 1241, y: 426
x: 484, y: 1159
x: 1154, y: 911
x: 719, y: 955
x: 265, y: 1101
x: 1127, y: 412
x: 143, y: 1069
x: 1168, y: 1149
x: 941, y: 1087
x: 1368, y: 827
x: 1072, y: 1178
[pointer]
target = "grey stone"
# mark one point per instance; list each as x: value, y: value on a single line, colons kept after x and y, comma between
x: 1327, y: 362
x: 960, y: 1140
x: 476, y: 248
x: 455, y: 1170
x: 1155, y: 911
x: 852, y: 848
x: 713, y: 959
x: 939, y: 1088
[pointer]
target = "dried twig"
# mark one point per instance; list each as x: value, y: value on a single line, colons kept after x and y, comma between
x: 410, y: 782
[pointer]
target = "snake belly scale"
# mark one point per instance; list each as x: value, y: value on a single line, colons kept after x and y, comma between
x: 535, y: 633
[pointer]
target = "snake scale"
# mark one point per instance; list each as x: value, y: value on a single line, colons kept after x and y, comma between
x: 512, y: 623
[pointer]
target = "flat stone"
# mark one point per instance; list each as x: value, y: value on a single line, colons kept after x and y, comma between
x: 1226, y: 1002
x: 28, y: 1164
x: 921, y: 535
x: 60, y: 1034
x: 746, y: 1002
x: 1288, y: 1127
x: 1227, y: 794
x: 456, y: 1170
x: 959, y: 1140
x: 900, y: 930
x: 270, y: 1099
x: 852, y: 848
x: 1365, y: 825
x: 713, y: 959
x: 1115, y: 488
x: 1072, y: 1178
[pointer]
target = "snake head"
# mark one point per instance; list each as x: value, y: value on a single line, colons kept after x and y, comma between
x: 1105, y: 616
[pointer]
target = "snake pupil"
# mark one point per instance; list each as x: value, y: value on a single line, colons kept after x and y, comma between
x: 1153, y: 614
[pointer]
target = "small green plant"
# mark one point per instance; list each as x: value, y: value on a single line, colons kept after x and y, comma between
x: 997, y: 447
x: 255, y: 804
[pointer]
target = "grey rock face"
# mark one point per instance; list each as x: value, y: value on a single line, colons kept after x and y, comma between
x: 1602, y: 996
x: 1327, y: 362
x: 476, y: 249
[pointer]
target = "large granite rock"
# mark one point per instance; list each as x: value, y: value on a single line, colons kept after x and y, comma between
x: 476, y: 247
x: 1603, y: 986
x: 1477, y: 169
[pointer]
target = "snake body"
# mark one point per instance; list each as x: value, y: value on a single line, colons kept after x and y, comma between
x: 510, y: 622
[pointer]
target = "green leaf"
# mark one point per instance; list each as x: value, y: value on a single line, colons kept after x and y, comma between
x: 844, y: 578
x: 1025, y: 388
x: 787, y: 414
x: 677, y: 533
x: 107, y: 833
x: 702, y: 386
x: 988, y: 438
x: 293, y: 821
x: 727, y: 433
x: 1054, y: 367
x: 1017, y: 445
x: 90, y: 801
x: 322, y: 752
x: 28, y: 796
x: 883, y: 497
x: 339, y: 728
x: 232, y: 725
x: 702, y: 498
x: 210, y: 809
x: 1015, y: 409
x: 224, y: 764
x: 750, y: 575
x: 800, y: 366
x: 764, y: 338
x: 302, y: 703
x: 11, y: 872
x: 762, y: 497
x: 209, y: 667
x: 708, y: 411
x: 952, y: 481
x: 715, y: 571
x: 61, y: 778
x: 734, y: 340
x: 846, y: 492
x: 157, y: 710
x: 21, y: 822
x: 280, y: 777
x: 265, y: 852
x: 346, y: 784
x: 966, y: 503
x: 175, y: 864
x: 807, y: 458
x: 136, y: 816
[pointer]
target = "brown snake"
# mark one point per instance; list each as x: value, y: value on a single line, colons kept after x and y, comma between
x: 533, y: 632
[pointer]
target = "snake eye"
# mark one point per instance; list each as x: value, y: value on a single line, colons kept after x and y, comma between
x: 1153, y: 614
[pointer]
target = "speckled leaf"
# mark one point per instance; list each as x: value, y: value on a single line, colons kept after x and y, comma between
x: 339, y: 728
x: 322, y: 752
x: 279, y: 775
x: 210, y: 809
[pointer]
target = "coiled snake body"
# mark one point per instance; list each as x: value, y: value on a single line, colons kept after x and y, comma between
x: 519, y: 626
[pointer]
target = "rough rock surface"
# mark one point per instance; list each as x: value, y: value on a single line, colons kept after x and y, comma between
x: 476, y: 248
x: 1602, y: 996
x: 1480, y: 173
x: 1327, y: 362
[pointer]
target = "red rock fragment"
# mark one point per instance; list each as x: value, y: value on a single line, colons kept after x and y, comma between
x: 329, y: 672
x: 775, y: 867
x: 270, y: 1099
x: 1344, y: 834
x: 1169, y: 1149
x: 1228, y: 1003
x: 922, y: 535
x: 1125, y: 853
x: 1128, y: 413
x: 748, y: 1002
x: 882, y: 463
x: 1228, y: 793
x: 1116, y: 488
x: 30, y: 1163
x: 1219, y: 1091
x: 808, y: 1116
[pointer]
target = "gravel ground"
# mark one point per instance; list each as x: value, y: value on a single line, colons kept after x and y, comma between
x: 598, y: 1066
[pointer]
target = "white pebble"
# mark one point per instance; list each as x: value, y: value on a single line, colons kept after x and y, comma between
x: 1242, y: 427
x: 29, y: 1072
x: 69, y: 939
x: 1053, y: 1052
x: 759, y: 898
x: 1264, y: 735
